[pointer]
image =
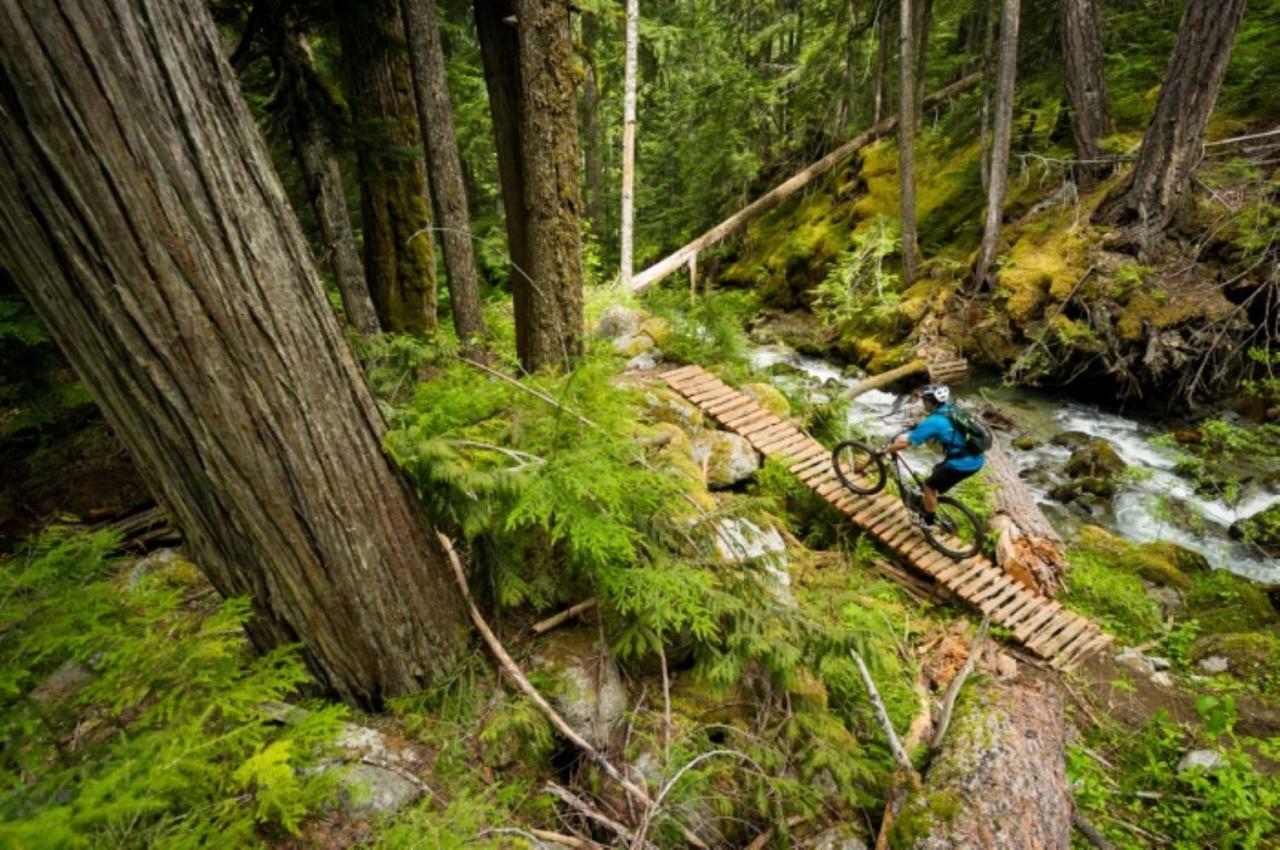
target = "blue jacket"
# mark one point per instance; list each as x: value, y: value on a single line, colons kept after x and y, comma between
x: 938, y: 426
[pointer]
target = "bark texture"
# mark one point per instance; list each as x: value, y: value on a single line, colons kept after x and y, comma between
x: 999, y: 781
x: 884, y: 38
x: 629, y: 141
x: 1027, y: 547
x: 1086, y: 84
x: 140, y: 214
x: 529, y: 71
x: 1002, y: 132
x: 308, y: 104
x: 924, y: 26
x: 448, y: 191
x: 907, y: 140
x: 398, y: 257
x: 1174, y: 141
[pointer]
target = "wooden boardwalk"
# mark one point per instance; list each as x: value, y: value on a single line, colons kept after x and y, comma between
x: 1059, y: 636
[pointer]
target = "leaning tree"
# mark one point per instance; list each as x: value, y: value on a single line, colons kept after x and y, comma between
x: 140, y: 215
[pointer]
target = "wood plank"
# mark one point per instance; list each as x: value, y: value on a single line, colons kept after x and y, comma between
x: 712, y: 393
x: 1027, y: 627
x: 772, y: 444
x: 728, y: 409
x: 999, y: 588
x: 759, y: 426
x: 794, y: 447
x: 701, y: 382
x: 965, y: 575
x: 730, y: 398
x: 1067, y: 635
x: 1086, y: 651
x: 674, y: 376
x: 971, y: 588
x: 932, y: 562
x: 750, y: 420
x: 811, y: 456
x: 1067, y: 653
x: 950, y: 572
x: 1060, y: 620
x: 1015, y: 609
x: 761, y: 436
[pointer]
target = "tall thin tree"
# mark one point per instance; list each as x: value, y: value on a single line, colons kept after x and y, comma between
x: 907, y: 140
x: 592, y: 154
x: 448, y: 192
x: 399, y: 265
x: 141, y: 216
x: 1086, y: 84
x: 629, y: 139
x: 1002, y: 133
x: 1174, y: 141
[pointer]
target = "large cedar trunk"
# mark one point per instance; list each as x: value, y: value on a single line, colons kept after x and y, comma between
x: 907, y: 141
x: 1000, y: 781
x: 141, y: 216
x: 1086, y: 83
x: 529, y: 71
x: 1174, y: 141
x: 998, y: 175
x: 448, y: 192
x: 1027, y: 546
x: 398, y: 257
x: 307, y: 104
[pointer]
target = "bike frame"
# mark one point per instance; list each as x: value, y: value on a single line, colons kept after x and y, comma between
x: 900, y: 463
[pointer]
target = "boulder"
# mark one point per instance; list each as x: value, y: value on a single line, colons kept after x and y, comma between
x: 728, y: 458
x: 643, y: 362
x: 664, y: 405
x: 1213, y: 664
x: 1071, y: 440
x: 1095, y: 459
x: 1201, y: 760
x: 769, y: 398
x: 836, y: 838
x: 618, y: 321
x: 1253, y: 657
x: 633, y: 345
x: 1026, y: 442
x: 1261, y: 530
x: 589, y: 694
x: 368, y: 789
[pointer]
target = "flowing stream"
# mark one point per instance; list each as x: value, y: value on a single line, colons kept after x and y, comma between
x: 1152, y: 501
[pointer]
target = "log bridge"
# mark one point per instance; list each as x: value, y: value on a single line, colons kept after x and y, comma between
x: 1060, y: 637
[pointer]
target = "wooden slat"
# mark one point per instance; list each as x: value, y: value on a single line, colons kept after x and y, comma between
x: 727, y: 409
x: 817, y: 452
x: 715, y: 393
x: 762, y: 435
x: 747, y: 420
x: 674, y: 376
x: 964, y: 576
x: 1080, y: 626
x: 758, y: 426
x: 695, y: 385
x: 1038, y: 618
x: 1060, y: 620
x: 794, y: 447
x: 1086, y: 650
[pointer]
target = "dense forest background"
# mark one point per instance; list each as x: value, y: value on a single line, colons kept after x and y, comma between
x: 323, y: 385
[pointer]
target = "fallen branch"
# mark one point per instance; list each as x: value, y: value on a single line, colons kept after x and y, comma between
x: 1090, y: 832
x: 882, y: 714
x: 953, y: 691
x: 543, y: 626
x: 884, y: 379
x: 589, y: 811
x: 513, y: 671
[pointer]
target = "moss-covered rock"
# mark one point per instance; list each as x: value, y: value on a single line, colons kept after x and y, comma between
x: 664, y: 405
x: 1159, y: 563
x: 727, y: 458
x: 769, y: 398
x: 1224, y: 602
x: 1262, y: 529
x: 1253, y: 657
x: 1096, y: 459
x: 589, y: 693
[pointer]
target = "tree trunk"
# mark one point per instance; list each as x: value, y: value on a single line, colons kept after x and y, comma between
x: 141, y: 215
x: 984, y: 132
x: 448, y: 192
x: 924, y: 19
x: 906, y: 142
x: 1174, y: 141
x: 398, y: 257
x: 500, y: 54
x: 308, y: 102
x: 1086, y: 84
x: 999, y: 782
x: 629, y: 140
x: 885, y: 379
x: 1027, y: 547
x: 594, y: 162
x: 1003, y: 131
x: 528, y: 61
x: 549, y: 157
x: 884, y: 35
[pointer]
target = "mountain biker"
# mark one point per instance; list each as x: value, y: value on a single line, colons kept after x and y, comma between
x: 960, y: 460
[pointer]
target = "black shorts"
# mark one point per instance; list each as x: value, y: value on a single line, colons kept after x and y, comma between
x: 944, y: 477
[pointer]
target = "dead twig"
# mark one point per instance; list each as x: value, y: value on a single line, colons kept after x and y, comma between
x: 589, y: 811
x: 543, y: 626
x: 1090, y: 832
x: 953, y: 691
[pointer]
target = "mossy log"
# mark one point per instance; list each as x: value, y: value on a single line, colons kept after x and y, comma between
x: 885, y: 379
x: 999, y: 781
x: 1027, y: 546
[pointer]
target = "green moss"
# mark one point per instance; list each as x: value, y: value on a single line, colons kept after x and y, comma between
x: 921, y: 816
x: 1044, y: 263
x: 1225, y: 602
x: 770, y: 398
x: 1103, y: 584
x: 1251, y: 656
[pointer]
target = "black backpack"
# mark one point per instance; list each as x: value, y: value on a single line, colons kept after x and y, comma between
x: 977, y: 436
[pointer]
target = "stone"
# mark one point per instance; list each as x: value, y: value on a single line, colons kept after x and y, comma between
x: 1131, y: 659
x: 741, y: 541
x: 631, y: 345
x: 70, y: 677
x: 642, y: 362
x: 371, y: 790
x: 664, y: 405
x: 835, y: 838
x: 1095, y: 459
x: 150, y: 564
x: 1160, y: 663
x: 1006, y: 666
x: 1252, y: 657
x: 1026, y: 442
x: 590, y: 695
x: 1201, y: 760
x: 1162, y: 679
x: 1213, y: 664
x: 1261, y: 530
x: 1071, y: 439
x: 618, y: 321
x: 1171, y: 602
x: 728, y: 458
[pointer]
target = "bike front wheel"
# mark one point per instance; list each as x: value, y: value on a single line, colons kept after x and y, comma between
x: 955, y: 532
x: 859, y: 467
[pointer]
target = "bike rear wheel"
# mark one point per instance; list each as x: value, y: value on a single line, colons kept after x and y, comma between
x: 859, y: 467
x: 956, y: 532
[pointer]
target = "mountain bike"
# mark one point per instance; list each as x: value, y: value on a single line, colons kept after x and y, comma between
x: 956, y: 532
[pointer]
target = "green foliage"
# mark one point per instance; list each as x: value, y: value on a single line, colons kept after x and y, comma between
x: 37, y: 388
x: 859, y: 290
x: 1116, y: 597
x: 707, y: 331
x: 136, y: 716
x: 1235, y: 805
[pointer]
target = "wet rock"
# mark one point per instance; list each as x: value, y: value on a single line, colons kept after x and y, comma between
x: 1213, y: 664
x: 769, y: 398
x: 1071, y: 439
x: 1187, y: 561
x: 642, y: 362
x: 633, y: 345
x: 664, y: 405
x: 153, y: 563
x: 1261, y: 530
x: 1159, y: 663
x: 618, y: 321
x: 1131, y: 659
x: 371, y: 790
x: 728, y: 458
x: 1253, y: 657
x: 741, y: 541
x: 1162, y: 679
x: 1026, y: 442
x: 797, y: 329
x: 1097, y: 459
x: 590, y: 695
x: 1201, y: 760
x: 378, y: 776
x: 1170, y: 599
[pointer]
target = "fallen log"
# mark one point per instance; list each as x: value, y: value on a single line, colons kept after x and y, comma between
x: 1027, y: 547
x: 885, y: 379
x: 999, y: 780
x: 668, y: 265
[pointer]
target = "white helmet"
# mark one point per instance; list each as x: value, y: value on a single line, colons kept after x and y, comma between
x: 937, y: 392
